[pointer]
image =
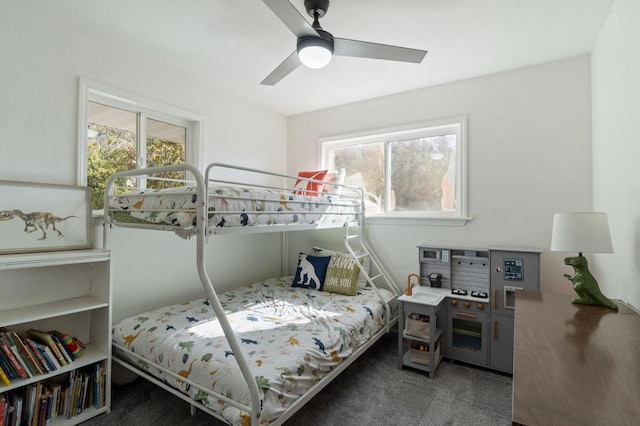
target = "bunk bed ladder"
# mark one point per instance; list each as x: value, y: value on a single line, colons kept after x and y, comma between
x: 376, y: 268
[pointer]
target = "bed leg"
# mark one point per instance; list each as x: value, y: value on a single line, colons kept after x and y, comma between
x: 193, y: 409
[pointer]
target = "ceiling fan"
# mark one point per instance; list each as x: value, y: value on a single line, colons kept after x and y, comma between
x: 316, y: 46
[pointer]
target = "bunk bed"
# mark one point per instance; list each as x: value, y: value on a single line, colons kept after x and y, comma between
x: 256, y: 354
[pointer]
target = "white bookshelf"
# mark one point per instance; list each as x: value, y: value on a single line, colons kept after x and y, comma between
x: 69, y: 291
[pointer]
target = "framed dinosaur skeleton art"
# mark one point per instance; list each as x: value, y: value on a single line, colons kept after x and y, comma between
x: 43, y: 217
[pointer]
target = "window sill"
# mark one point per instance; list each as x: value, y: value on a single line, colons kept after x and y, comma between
x: 417, y: 220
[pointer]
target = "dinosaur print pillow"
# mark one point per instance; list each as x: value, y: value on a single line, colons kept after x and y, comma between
x: 311, y: 271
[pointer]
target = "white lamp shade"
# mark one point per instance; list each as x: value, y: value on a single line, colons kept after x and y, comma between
x: 314, y: 56
x: 581, y: 232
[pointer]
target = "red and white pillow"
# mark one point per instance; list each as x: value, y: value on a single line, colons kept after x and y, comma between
x: 305, y: 187
x: 315, y: 189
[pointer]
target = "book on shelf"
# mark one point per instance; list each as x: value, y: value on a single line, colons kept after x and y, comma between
x: 55, y: 400
x: 44, y: 365
x: 47, y: 339
x: 48, y: 356
x: 4, y: 378
x: 10, y: 357
x: 23, y: 352
x: 98, y: 386
x: 37, y: 402
x: 50, y: 406
x: 7, y: 367
x: 29, y: 404
x: 42, y: 410
x: 21, y: 362
x: 3, y: 409
x: 7, y: 411
x: 73, y: 393
x: 29, y: 356
x: 17, y: 401
x: 68, y: 358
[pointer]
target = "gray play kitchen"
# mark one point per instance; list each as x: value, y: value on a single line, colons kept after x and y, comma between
x: 467, y: 298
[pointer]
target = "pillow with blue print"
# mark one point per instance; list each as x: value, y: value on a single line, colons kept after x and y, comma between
x: 311, y: 271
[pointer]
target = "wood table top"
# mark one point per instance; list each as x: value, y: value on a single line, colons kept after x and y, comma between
x: 575, y: 364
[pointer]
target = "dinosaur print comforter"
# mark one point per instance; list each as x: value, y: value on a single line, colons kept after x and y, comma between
x: 230, y: 206
x: 291, y: 338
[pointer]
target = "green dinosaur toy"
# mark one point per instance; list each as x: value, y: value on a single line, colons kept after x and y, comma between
x: 585, y: 284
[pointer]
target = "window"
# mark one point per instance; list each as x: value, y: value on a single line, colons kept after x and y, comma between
x: 121, y: 133
x: 414, y: 172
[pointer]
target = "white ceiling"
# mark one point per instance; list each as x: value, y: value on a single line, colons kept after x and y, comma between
x: 235, y: 44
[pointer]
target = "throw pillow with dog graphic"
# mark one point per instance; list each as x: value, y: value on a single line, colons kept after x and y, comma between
x: 311, y: 271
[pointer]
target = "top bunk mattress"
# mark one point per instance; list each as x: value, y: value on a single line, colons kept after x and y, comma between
x: 230, y: 206
x: 290, y: 336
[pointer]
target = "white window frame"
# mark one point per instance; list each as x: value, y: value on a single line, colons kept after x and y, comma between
x: 456, y: 125
x: 92, y: 91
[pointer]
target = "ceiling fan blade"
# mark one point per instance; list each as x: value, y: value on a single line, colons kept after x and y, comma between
x: 282, y: 70
x: 290, y: 16
x: 364, y: 49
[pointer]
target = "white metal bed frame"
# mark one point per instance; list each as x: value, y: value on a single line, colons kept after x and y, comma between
x: 202, y: 232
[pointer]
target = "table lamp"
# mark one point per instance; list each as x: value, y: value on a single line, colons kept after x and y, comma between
x: 583, y: 232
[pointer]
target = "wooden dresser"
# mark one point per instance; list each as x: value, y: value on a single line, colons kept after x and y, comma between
x: 575, y: 364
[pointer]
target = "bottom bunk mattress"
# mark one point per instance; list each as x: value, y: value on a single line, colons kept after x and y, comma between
x: 291, y: 337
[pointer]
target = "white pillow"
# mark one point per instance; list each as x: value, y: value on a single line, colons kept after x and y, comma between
x: 337, y: 177
x: 365, y: 261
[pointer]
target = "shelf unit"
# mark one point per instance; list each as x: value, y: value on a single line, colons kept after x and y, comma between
x: 68, y: 291
x: 434, y: 340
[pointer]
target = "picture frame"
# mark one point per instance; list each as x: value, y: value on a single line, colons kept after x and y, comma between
x: 37, y: 217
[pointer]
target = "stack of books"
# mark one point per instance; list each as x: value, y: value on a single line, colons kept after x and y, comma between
x: 40, y: 403
x: 38, y: 352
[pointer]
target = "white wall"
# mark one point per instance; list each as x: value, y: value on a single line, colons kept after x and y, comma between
x: 529, y: 156
x: 41, y: 65
x: 616, y: 147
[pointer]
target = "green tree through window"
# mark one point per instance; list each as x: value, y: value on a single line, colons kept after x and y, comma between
x: 415, y: 171
x: 114, y: 145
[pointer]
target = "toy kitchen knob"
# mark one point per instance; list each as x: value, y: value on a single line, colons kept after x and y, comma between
x: 467, y: 304
x: 454, y: 302
x: 480, y: 306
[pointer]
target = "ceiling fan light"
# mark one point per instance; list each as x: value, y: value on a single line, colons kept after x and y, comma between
x: 314, y: 56
x: 314, y: 52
